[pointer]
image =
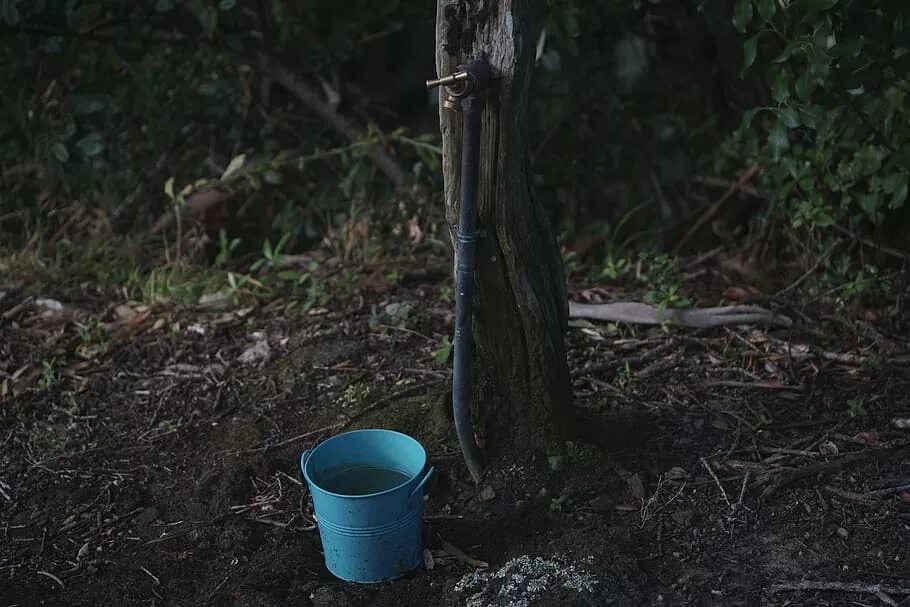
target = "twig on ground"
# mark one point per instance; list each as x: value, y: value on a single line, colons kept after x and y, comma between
x: 217, y: 588
x: 151, y: 575
x: 52, y: 576
x: 391, y: 398
x: 878, y: 590
x: 742, y: 492
x: 764, y: 385
x: 707, y: 466
x: 850, y: 496
x: 888, y: 491
x: 461, y: 556
x: 825, y: 468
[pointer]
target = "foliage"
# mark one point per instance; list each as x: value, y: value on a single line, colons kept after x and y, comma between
x: 114, y: 113
x: 835, y: 136
x: 106, y: 101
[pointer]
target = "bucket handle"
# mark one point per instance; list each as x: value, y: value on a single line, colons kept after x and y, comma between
x: 303, y: 458
x: 417, y: 488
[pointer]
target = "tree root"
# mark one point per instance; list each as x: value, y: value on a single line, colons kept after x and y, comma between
x: 696, y: 318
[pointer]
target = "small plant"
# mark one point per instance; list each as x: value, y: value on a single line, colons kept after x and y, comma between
x: 170, y: 425
x: 763, y: 421
x: 661, y: 274
x: 856, y: 407
x: 74, y: 408
x: 225, y: 248
x: 270, y: 255
x: 624, y: 375
x: 442, y: 353
x: 356, y: 393
x: 615, y: 268
x: 92, y: 339
x: 48, y: 378
x: 394, y: 315
x: 558, y: 503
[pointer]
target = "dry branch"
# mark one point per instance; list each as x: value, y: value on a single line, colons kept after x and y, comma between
x: 313, y: 98
x: 197, y: 204
x: 698, y: 318
x: 878, y: 590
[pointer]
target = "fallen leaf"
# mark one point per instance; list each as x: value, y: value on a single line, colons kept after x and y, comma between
x: 428, y: 560
x: 257, y: 353
x: 866, y: 438
x: 828, y: 448
x: 636, y: 487
x: 735, y: 294
x: 124, y: 313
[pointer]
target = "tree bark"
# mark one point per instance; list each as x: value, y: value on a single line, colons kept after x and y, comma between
x: 522, y: 397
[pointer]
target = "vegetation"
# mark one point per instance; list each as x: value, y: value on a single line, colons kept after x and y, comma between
x: 117, y: 113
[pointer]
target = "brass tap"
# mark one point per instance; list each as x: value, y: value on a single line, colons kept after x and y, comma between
x: 457, y: 85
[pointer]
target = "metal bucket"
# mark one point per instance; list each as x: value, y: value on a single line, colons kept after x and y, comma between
x: 367, y: 488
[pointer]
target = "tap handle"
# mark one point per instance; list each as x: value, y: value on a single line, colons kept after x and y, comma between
x: 447, y: 80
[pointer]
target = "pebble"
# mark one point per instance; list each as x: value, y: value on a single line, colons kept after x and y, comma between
x: 843, y: 532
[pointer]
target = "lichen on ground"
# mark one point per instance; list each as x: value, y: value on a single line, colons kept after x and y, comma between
x: 524, y: 579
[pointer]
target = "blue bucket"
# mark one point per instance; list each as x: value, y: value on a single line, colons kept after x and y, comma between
x: 367, y: 488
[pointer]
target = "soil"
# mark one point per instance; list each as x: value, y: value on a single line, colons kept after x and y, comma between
x: 155, y: 461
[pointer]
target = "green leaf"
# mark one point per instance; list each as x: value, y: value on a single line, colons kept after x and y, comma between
x: 767, y: 9
x: 871, y: 205
x: 60, y: 152
x: 272, y: 177
x: 780, y: 89
x: 290, y: 275
x: 790, y: 117
x: 91, y: 145
x: 85, y: 17
x: 849, y: 48
x: 162, y: 6
x: 804, y: 87
x: 812, y: 116
x: 207, y: 88
x: 209, y: 19
x: 742, y: 14
x: 226, y: 5
x: 819, y: 65
x: 900, y: 195
x: 749, y: 116
x: 821, y: 5
x: 750, y: 50
x: 441, y: 354
x: 778, y: 141
x: 88, y: 104
x: 169, y: 188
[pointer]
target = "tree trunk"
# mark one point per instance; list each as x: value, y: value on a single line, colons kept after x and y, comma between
x: 522, y: 397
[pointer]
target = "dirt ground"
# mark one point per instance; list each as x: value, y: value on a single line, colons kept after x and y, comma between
x: 151, y: 458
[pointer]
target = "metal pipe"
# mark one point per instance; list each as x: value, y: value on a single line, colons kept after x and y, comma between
x: 472, y: 79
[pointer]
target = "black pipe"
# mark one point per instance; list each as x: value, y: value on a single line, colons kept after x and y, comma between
x: 466, y: 235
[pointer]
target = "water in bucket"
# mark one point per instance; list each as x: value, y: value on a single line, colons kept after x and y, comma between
x: 362, y: 480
